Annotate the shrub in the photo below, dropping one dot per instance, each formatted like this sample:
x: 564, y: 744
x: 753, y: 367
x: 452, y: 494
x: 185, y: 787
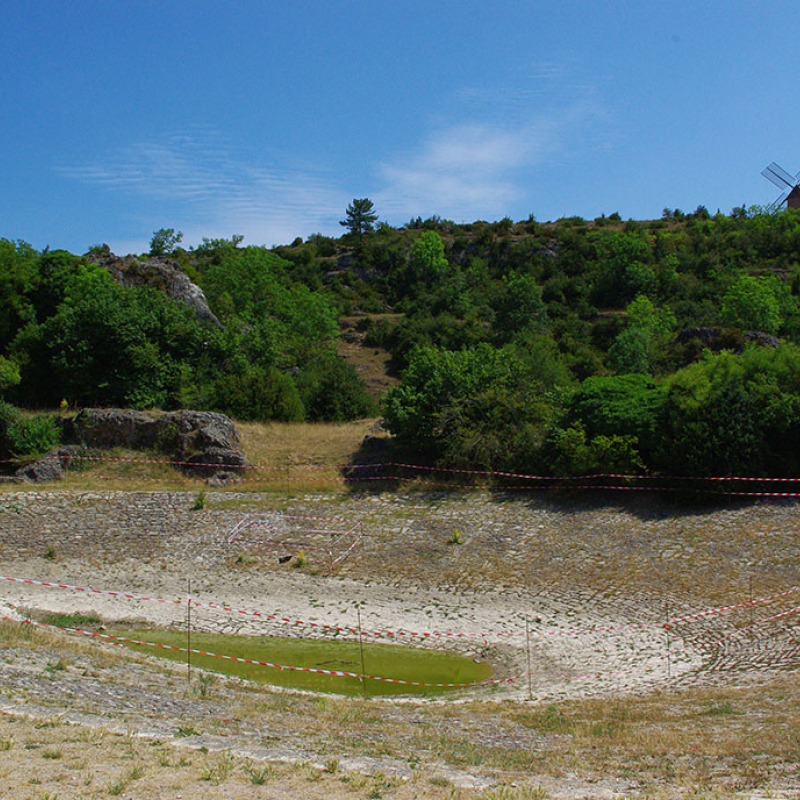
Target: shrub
x: 9, y: 415
x: 33, y: 435
x: 332, y: 390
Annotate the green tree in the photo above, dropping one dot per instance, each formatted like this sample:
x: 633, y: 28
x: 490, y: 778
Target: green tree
x: 623, y: 405
x: 752, y: 304
x: 19, y: 277
x: 361, y: 217
x: 9, y: 374
x: 622, y: 270
x: 436, y: 378
x: 519, y: 305
x: 112, y: 345
x: 332, y: 390
x: 648, y: 329
x: 165, y: 241
x: 426, y: 260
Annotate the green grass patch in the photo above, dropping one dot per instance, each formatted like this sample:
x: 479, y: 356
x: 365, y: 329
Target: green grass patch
x: 384, y: 660
x: 71, y: 620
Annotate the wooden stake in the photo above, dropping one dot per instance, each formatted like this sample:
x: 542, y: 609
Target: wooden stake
x: 669, y: 652
x: 528, y: 646
x: 361, y: 648
x: 189, y: 633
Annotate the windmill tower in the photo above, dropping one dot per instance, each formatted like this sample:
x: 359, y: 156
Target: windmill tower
x: 789, y: 186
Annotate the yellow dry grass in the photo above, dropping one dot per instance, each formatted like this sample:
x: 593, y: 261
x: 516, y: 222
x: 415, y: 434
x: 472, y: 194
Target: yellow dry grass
x: 278, y: 444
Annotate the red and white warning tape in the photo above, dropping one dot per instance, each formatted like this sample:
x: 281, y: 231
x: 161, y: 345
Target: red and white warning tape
x: 110, y: 638
x: 558, y: 479
x: 419, y: 634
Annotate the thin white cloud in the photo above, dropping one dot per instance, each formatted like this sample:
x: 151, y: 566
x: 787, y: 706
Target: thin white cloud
x: 204, y: 187
x: 469, y: 171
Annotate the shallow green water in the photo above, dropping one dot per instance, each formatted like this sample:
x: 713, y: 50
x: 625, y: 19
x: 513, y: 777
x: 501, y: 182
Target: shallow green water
x: 384, y: 660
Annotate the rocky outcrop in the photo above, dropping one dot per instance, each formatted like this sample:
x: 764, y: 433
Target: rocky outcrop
x: 203, y: 441
x: 48, y: 468
x: 160, y: 273
x: 725, y: 338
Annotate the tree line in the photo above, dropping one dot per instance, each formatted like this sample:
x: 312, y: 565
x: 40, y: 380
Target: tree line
x: 667, y: 345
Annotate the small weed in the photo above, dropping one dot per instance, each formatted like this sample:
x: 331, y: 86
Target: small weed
x: 719, y: 709
x: 55, y: 666
x: 6, y: 744
x: 259, y: 775
x: 456, y: 536
x: 203, y: 684
x: 53, y: 755
x: 356, y: 781
x: 515, y: 793
x: 50, y: 553
x: 312, y: 774
x: 381, y: 785
x: 186, y: 730
x: 124, y: 780
x: 200, y: 501
x: 332, y: 766
x: 300, y: 560
x: 440, y: 780
x: 220, y: 772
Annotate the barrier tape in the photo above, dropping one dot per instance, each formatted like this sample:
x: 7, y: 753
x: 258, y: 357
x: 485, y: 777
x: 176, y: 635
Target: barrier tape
x: 404, y: 465
x: 413, y: 634
x: 468, y: 486
x: 751, y: 625
x: 111, y: 639
x: 120, y: 641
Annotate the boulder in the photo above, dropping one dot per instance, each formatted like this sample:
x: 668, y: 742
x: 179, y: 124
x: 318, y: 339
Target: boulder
x: 50, y: 467
x: 204, y: 441
x: 112, y: 427
x: 726, y: 338
x: 161, y: 273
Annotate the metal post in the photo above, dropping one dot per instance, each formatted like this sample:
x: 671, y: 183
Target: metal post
x: 189, y: 633
x: 361, y: 648
x: 669, y: 653
x: 528, y: 646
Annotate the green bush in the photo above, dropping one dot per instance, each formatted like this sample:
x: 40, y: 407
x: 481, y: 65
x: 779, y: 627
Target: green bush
x: 333, y: 391
x: 33, y: 436
x: 9, y: 415
x: 260, y: 395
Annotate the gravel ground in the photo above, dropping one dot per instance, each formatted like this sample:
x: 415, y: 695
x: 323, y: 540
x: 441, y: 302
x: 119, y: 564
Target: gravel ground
x: 593, y: 584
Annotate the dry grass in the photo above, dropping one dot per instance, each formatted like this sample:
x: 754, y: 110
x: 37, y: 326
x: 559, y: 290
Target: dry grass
x: 279, y: 444
x: 371, y: 363
x: 713, y: 743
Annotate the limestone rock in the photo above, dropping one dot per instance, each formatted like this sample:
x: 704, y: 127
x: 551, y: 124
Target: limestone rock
x: 50, y: 467
x: 204, y: 441
x: 112, y: 427
x: 160, y: 273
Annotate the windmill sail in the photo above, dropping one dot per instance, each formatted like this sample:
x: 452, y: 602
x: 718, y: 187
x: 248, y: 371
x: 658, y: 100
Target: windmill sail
x: 774, y: 206
x: 779, y: 176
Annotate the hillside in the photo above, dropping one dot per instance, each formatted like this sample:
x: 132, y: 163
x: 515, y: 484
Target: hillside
x: 666, y: 346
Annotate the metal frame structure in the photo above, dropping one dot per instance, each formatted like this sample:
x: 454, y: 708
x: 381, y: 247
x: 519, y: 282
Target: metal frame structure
x: 324, y: 540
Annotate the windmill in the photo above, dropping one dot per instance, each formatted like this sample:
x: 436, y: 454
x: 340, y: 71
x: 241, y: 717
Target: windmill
x: 789, y: 186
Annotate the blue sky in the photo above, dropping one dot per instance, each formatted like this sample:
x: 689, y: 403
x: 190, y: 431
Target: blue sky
x: 119, y: 117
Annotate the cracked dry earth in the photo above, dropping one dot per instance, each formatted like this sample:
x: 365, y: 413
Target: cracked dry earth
x: 593, y: 584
